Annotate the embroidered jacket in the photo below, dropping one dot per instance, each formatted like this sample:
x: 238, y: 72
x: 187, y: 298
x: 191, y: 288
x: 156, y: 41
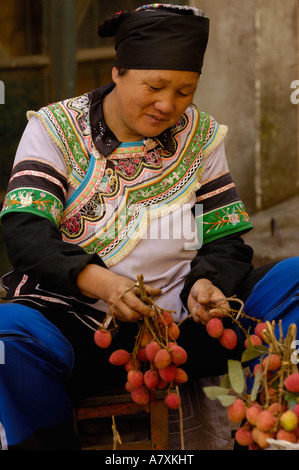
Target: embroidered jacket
x: 105, y: 196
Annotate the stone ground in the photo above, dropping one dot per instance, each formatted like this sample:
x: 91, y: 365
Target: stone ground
x: 276, y: 232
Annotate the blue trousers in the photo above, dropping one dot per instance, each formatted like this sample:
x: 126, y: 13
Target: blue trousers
x: 35, y: 408
x: 37, y: 361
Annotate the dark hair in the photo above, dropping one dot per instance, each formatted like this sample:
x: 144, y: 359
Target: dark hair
x: 122, y: 71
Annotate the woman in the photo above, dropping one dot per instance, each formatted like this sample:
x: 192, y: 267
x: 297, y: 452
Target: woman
x: 129, y: 179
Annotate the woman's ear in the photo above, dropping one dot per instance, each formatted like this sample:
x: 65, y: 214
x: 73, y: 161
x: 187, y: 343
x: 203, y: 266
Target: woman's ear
x: 115, y: 74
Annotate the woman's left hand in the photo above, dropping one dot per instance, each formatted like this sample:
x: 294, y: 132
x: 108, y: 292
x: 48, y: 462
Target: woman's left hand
x: 202, y: 294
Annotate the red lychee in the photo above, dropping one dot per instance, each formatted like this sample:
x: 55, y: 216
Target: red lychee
x: 151, y: 350
x: 215, y: 327
x: 173, y: 401
x: 260, y: 437
x: 296, y: 409
x: 102, y: 338
x: 162, y: 384
x: 265, y: 421
x: 181, y: 376
x: 132, y: 364
x: 228, y: 339
x: 178, y: 354
x: 243, y: 436
x: 291, y: 383
x: 173, y: 331
x: 272, y: 362
x: 140, y: 395
x: 286, y: 436
x: 135, y: 378
x: 162, y: 359
x: 151, y: 379
x: 119, y: 357
x: 141, y: 355
x: 237, y: 411
x: 252, y: 413
x: 258, y: 330
x: 254, y: 340
x: 165, y: 319
x: 145, y: 338
x: 168, y: 373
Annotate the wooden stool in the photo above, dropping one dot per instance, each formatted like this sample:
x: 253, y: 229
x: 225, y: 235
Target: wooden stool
x: 122, y: 405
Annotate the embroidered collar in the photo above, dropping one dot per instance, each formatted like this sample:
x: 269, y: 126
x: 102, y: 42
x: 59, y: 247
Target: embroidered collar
x: 104, y: 139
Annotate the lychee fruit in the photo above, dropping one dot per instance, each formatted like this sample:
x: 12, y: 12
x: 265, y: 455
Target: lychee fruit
x: 173, y: 331
x: 173, y: 401
x: 181, y: 376
x: 140, y: 395
x: 168, y: 373
x: 243, y: 436
x: 253, y: 340
x: 275, y: 408
x: 132, y: 364
x: 141, y: 355
x: 265, y: 421
x: 296, y: 409
x: 291, y: 383
x: 215, y: 327
x: 162, y: 384
x: 165, y: 319
x: 151, y: 379
x: 289, y: 420
x: 102, y: 338
x: 146, y: 337
x: 258, y: 330
x: 260, y: 437
x: 286, y: 436
x: 272, y: 362
x: 151, y: 350
x: 162, y: 359
x: 178, y: 354
x: 119, y: 357
x: 135, y: 378
x: 228, y: 339
x: 252, y: 413
x: 237, y: 411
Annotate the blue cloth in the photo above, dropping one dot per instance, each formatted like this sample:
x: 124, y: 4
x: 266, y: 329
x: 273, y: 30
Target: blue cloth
x: 276, y: 296
x: 37, y: 361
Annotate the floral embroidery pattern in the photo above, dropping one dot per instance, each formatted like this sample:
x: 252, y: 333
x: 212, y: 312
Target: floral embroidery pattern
x: 32, y: 200
x: 223, y: 220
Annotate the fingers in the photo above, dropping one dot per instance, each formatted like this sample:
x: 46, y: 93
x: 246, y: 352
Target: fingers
x: 202, y: 295
x: 130, y: 308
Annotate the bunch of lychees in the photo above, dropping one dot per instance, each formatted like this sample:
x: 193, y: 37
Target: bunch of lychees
x: 270, y: 411
x: 155, y: 362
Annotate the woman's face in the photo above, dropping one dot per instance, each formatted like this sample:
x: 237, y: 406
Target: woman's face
x: 150, y: 101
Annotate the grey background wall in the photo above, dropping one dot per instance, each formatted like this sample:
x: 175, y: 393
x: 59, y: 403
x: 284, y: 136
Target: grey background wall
x: 251, y: 62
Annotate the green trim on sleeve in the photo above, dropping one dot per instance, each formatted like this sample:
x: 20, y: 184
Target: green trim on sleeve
x: 223, y: 221
x: 38, y: 202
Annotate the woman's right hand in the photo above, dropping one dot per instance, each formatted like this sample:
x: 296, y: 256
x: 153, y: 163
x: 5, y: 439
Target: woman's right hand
x: 117, y: 291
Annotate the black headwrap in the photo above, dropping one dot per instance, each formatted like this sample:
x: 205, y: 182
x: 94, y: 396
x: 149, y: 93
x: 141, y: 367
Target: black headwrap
x: 158, y: 36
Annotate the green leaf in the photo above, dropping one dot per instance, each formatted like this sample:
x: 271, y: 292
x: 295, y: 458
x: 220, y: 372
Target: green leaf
x: 236, y: 375
x: 291, y: 399
x: 226, y: 400
x: 225, y: 381
x: 256, y: 385
x: 213, y: 392
x: 254, y: 352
